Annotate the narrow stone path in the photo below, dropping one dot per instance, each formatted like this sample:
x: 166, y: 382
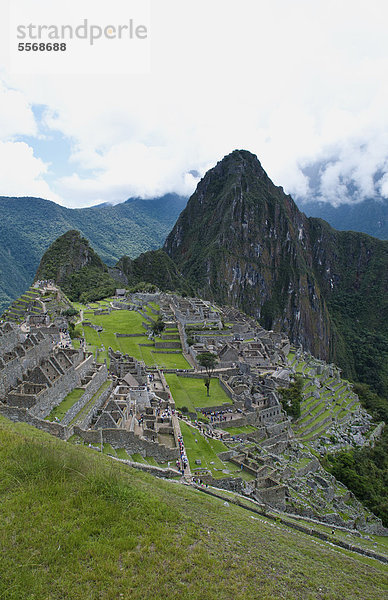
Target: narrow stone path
x: 176, y: 427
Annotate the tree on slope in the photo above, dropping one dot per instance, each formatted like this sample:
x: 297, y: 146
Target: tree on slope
x: 208, y: 360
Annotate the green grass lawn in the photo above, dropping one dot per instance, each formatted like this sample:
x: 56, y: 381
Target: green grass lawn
x: 108, y: 449
x: 122, y: 453
x: 138, y: 458
x: 149, y: 312
x: 204, y: 449
x: 191, y: 392
x: 77, y: 525
x: 92, y: 337
x: 62, y: 408
x: 124, y: 321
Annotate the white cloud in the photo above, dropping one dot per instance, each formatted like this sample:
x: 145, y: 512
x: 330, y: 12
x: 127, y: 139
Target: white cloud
x: 21, y: 173
x: 130, y: 170
x: 295, y: 82
x: 16, y: 116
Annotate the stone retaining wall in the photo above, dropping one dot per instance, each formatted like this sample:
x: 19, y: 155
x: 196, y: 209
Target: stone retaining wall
x: 168, y: 345
x: 257, y: 436
x: 227, y: 455
x: 22, y: 415
x: 241, y: 422
x: 152, y: 469
x: 219, y: 407
x: 92, y: 412
x: 274, y: 496
x: 133, y: 444
x: 227, y: 389
x: 311, y: 467
x: 317, y: 426
x: 228, y: 483
x: 166, y: 351
x: 129, y: 335
x: 277, y: 428
x: 90, y: 389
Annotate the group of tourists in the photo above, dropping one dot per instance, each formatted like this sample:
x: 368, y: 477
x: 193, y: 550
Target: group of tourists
x: 219, y: 416
x: 183, y: 463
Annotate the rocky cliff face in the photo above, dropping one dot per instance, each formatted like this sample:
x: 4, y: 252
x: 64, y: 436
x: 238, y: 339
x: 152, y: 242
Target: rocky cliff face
x: 241, y: 240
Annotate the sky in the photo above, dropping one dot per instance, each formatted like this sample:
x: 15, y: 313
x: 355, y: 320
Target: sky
x: 301, y: 83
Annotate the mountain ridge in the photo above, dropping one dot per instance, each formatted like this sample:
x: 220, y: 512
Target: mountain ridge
x: 368, y: 216
x: 30, y: 225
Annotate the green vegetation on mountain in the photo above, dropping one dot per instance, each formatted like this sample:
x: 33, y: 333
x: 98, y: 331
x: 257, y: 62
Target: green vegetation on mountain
x: 242, y: 241
x: 291, y: 397
x: 76, y: 525
x: 154, y: 267
x: 72, y: 264
x: 30, y: 225
x: 365, y: 470
x: 369, y: 216
x: 352, y: 270
x: 327, y: 289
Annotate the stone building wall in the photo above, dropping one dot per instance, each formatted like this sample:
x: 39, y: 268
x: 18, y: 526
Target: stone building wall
x: 274, y: 496
x: 9, y: 337
x: 13, y: 371
x: 228, y: 483
x: 61, y: 387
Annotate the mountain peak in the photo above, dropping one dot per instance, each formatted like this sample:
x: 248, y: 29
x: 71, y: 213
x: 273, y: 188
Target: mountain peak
x: 73, y: 264
x: 70, y: 252
x: 237, y: 164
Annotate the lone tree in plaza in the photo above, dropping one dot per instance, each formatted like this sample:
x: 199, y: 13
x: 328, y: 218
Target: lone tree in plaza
x: 208, y: 360
x: 157, y: 326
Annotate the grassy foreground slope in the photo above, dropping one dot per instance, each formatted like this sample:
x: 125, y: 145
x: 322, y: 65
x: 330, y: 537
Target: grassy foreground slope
x: 76, y: 525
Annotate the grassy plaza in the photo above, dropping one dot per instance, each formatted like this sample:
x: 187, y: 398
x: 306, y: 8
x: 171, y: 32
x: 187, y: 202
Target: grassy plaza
x: 140, y: 347
x: 191, y: 392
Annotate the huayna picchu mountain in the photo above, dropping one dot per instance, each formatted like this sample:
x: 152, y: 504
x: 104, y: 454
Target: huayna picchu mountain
x: 242, y: 241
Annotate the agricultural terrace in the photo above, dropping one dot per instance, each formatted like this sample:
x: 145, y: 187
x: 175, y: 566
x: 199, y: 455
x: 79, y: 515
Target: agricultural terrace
x: 199, y: 447
x: 59, y: 411
x: 140, y: 347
